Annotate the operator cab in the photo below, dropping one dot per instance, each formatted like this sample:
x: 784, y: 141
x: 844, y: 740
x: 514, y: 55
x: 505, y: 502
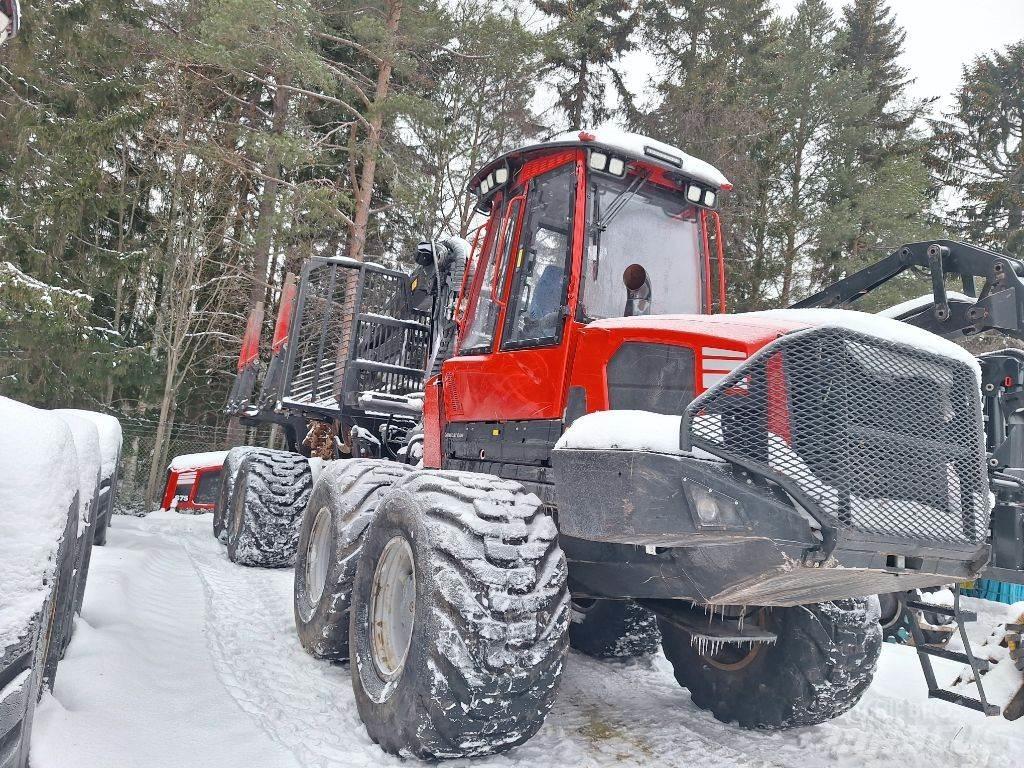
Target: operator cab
x: 618, y: 223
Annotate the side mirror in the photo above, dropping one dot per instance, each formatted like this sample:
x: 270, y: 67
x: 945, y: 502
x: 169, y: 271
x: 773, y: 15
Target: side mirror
x: 10, y: 19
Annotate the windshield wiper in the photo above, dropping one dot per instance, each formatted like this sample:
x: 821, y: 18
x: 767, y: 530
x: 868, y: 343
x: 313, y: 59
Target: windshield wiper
x: 601, y: 222
x: 620, y: 202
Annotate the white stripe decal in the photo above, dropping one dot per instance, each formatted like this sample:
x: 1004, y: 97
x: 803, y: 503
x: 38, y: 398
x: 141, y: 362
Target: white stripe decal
x: 721, y: 366
x: 729, y: 353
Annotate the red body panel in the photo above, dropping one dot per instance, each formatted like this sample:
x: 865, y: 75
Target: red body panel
x: 284, y: 313
x: 524, y: 383
x: 433, y: 423
x: 250, y: 350
x: 176, y: 477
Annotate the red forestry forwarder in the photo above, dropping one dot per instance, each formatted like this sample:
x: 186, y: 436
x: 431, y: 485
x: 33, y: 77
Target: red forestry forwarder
x: 557, y: 437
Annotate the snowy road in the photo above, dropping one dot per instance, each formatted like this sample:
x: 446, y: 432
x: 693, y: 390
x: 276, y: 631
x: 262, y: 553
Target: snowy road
x: 183, y: 659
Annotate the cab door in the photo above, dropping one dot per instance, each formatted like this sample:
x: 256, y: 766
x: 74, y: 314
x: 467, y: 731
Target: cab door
x: 513, y: 361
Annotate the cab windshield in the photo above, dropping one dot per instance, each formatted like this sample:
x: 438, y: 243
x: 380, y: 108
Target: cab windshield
x: 643, y: 252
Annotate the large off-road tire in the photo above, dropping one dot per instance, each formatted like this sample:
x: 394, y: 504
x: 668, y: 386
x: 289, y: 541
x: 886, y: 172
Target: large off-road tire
x: 459, y: 619
x: 819, y: 667
x: 19, y: 673
x: 225, y: 494
x: 340, y: 508
x: 22, y: 665
x: 85, y: 541
x: 613, y: 629
x: 270, y: 495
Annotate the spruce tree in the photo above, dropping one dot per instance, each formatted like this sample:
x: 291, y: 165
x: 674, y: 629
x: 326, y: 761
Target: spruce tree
x: 981, y: 151
x: 581, y: 48
x: 878, y: 179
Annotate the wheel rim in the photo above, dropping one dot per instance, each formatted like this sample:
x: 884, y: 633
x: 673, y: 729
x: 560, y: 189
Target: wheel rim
x: 392, y: 608
x: 731, y: 657
x: 889, y: 609
x: 318, y: 556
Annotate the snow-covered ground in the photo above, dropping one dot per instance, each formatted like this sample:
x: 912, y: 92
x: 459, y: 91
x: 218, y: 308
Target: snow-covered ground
x: 182, y: 659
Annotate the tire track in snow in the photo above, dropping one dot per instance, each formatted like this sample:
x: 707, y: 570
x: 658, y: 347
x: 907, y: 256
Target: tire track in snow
x: 307, y: 704
x: 606, y: 713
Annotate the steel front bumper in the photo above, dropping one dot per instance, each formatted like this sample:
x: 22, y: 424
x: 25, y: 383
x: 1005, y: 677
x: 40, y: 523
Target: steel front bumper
x: 654, y: 525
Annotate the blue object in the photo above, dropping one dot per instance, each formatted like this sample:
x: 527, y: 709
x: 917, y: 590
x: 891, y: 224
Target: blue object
x: 998, y: 591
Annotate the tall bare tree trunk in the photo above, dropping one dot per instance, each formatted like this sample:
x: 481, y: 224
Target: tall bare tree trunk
x: 163, y: 429
x: 372, y: 145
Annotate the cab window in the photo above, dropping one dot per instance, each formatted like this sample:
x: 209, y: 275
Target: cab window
x: 209, y: 485
x: 481, y: 331
x: 643, y: 253
x: 542, y: 259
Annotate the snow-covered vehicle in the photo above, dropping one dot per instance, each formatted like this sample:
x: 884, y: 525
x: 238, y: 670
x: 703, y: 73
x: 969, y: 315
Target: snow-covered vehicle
x: 39, y: 556
x: 87, y: 447
x: 110, y: 436
x: 193, y: 482
x: 596, y: 435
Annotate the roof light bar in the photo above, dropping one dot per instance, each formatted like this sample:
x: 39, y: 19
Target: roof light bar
x: 665, y: 157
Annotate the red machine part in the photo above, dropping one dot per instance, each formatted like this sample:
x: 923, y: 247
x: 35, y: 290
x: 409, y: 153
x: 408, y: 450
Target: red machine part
x: 250, y: 350
x: 718, y: 343
x: 282, y: 325
x: 192, y: 489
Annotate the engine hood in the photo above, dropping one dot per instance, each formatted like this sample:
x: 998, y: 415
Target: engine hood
x: 657, y: 352
x: 744, y: 332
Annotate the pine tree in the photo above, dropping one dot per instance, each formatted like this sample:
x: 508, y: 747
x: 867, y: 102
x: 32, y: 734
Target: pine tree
x: 481, y: 85
x: 716, y: 73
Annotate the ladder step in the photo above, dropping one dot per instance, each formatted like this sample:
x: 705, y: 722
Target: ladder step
x: 942, y: 653
x: 942, y: 610
x: 990, y: 710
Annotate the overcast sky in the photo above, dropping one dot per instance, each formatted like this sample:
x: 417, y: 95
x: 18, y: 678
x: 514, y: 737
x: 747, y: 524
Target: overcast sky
x: 942, y: 36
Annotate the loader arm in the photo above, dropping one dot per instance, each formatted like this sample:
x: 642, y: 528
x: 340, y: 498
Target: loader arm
x: 999, y: 305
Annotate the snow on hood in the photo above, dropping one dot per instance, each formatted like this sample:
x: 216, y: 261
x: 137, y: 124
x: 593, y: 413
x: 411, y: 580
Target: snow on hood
x: 197, y: 460
x: 110, y: 438
x: 38, y: 481
x: 628, y: 431
x: 87, y: 446
x: 878, y: 326
x: 623, y: 430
